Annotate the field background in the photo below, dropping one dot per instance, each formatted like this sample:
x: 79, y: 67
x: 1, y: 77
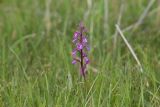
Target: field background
x: 36, y: 44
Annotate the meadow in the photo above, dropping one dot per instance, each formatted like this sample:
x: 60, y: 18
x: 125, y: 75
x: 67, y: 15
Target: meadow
x: 36, y: 67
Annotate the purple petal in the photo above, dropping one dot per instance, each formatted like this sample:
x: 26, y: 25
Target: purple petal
x: 74, y: 40
x: 79, y: 46
x: 74, y: 62
x: 76, y: 34
x: 88, y: 48
x: 86, y: 60
x: 84, y: 40
x: 74, y: 52
x: 84, y: 55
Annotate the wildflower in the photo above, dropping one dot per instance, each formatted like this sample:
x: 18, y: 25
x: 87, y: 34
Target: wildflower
x: 75, y: 37
x: 74, y: 52
x: 74, y: 62
x: 86, y: 60
x: 81, y: 46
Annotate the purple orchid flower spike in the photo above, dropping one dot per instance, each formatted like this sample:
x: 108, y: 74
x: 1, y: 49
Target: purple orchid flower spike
x: 81, y: 46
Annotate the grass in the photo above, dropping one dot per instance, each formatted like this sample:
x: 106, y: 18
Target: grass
x: 35, y: 54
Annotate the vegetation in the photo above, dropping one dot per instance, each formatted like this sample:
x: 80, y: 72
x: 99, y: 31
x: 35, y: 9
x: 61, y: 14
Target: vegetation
x: 35, y: 53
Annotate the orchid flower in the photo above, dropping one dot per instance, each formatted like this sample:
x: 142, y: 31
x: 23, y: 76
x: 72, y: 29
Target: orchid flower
x: 81, y: 46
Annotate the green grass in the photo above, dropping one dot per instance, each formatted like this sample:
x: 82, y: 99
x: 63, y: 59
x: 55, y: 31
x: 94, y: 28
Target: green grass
x: 35, y: 54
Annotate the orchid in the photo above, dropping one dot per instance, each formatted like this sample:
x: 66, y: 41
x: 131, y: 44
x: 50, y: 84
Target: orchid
x: 81, y: 46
